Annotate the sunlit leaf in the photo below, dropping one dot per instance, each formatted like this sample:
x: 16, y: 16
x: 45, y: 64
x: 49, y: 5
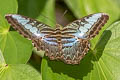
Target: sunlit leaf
x: 8, y: 7
x: 19, y: 72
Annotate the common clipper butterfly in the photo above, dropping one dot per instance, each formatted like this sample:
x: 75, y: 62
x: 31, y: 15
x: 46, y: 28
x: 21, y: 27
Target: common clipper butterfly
x: 69, y: 44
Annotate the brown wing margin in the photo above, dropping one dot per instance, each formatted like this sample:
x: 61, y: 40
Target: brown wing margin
x: 98, y: 25
x: 17, y: 26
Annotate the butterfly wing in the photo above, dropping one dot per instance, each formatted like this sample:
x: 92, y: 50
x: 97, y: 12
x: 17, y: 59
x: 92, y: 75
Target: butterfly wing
x: 30, y: 28
x: 75, y: 48
x: 89, y: 26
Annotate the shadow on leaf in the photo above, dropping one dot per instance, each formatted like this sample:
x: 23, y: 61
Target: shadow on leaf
x: 99, y: 48
x: 31, y: 8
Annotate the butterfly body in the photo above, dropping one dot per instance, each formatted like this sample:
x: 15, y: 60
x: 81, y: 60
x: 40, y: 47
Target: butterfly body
x: 69, y: 44
x: 63, y: 45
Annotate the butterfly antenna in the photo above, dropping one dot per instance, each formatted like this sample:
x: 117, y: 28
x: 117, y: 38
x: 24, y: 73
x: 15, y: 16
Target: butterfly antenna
x: 64, y: 13
x: 60, y: 18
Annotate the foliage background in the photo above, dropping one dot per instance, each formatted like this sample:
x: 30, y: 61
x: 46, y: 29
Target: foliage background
x: 20, y: 61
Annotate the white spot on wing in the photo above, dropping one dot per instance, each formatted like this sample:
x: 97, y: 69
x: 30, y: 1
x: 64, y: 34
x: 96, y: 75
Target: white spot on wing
x: 80, y: 34
x: 97, y: 15
x: 38, y: 34
x: 91, y: 23
x: 28, y: 26
x: 83, y: 29
x: 23, y: 22
x: 20, y: 19
x: 88, y: 26
x: 82, y: 23
x: 32, y: 23
x: 33, y: 30
x: 16, y: 16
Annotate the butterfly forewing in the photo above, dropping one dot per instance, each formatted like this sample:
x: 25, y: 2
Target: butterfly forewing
x: 27, y: 26
x: 69, y: 44
x: 89, y: 26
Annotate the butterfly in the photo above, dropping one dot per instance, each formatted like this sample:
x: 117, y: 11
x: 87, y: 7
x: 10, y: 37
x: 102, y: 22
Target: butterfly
x: 68, y: 44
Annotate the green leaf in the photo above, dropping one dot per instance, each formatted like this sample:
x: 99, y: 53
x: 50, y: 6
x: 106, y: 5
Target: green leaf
x: 15, y: 48
x: 19, y: 72
x: 43, y: 10
x: 102, y: 63
x: 8, y: 7
x: 117, y: 2
x: 48, y: 12
x: 77, y: 7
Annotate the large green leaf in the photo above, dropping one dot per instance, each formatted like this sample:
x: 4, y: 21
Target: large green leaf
x: 8, y: 7
x: 101, y: 63
x: 43, y: 10
x: 19, y: 72
x: 15, y: 48
x: 117, y: 2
